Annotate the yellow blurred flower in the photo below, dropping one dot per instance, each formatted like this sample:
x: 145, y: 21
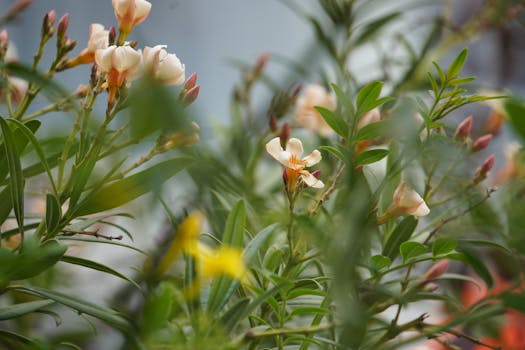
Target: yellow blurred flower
x: 186, y: 240
x: 223, y: 261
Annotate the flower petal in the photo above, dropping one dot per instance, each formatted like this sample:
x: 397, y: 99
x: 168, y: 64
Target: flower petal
x: 274, y: 148
x: 295, y: 147
x: 311, y: 180
x: 312, y: 158
x: 421, y: 210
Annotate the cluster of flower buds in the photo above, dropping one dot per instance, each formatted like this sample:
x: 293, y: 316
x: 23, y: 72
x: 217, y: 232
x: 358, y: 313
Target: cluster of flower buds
x: 463, y: 133
x: 281, y: 104
x: 190, y: 91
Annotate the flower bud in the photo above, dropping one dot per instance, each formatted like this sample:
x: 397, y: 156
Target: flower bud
x: 483, y: 170
x: 112, y: 35
x: 190, y: 82
x: 273, y: 124
x: 285, y: 134
x: 190, y: 96
x: 464, y: 129
x: 130, y: 13
x: 47, y: 24
x: 316, y: 173
x: 481, y: 143
x: 4, y: 43
x: 63, y: 24
x: 436, y: 270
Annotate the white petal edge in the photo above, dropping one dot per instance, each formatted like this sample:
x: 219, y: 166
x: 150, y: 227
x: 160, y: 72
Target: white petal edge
x: 311, y: 180
x: 313, y: 158
x: 274, y: 148
x: 295, y: 147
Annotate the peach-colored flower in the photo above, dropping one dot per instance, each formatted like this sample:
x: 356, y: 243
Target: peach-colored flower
x: 294, y: 165
x: 305, y: 113
x: 130, y: 13
x: 163, y: 66
x: 408, y: 201
x: 120, y: 63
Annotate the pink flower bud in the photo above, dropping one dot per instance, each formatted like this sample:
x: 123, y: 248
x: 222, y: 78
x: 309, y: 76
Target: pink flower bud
x: 112, y: 35
x: 4, y: 42
x: 436, y: 270
x: 285, y: 134
x: 464, y: 129
x: 316, y: 173
x: 190, y: 96
x: 484, y: 168
x: 481, y: 143
x: 63, y: 24
x: 191, y: 81
x: 49, y: 21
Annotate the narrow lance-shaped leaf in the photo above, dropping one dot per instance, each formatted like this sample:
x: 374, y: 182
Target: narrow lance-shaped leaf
x: 131, y: 187
x: 221, y: 288
x: 15, y: 174
x: 401, y: 233
x: 17, y: 310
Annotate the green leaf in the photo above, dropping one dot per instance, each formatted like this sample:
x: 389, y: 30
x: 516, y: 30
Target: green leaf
x: 367, y: 97
x: 109, y: 316
x: 460, y: 81
x: 28, y: 133
x: 157, y: 309
x: 411, y: 249
x: 374, y: 130
x: 96, y: 266
x: 337, y: 153
x: 6, y: 204
x: 336, y: 122
x: 456, y: 65
x: 123, y: 191
x: 4, y: 334
x: 31, y: 261
x: 516, y: 112
x: 482, y: 243
x: 434, y: 84
x: 223, y: 287
x: 443, y: 246
x: 251, y: 252
x: 344, y: 100
x: 53, y: 214
x: 442, y: 76
x: 16, y: 182
x: 234, y: 313
x: 247, y: 309
x: 514, y: 301
x: 470, y: 257
x: 371, y: 156
x: 373, y: 27
x: 401, y: 233
x: 17, y: 310
x: 102, y: 241
x: 379, y: 262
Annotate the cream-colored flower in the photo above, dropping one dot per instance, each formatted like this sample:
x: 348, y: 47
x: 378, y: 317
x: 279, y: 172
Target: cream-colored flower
x: 129, y: 13
x: 163, y: 66
x: 305, y: 113
x: 408, y: 201
x: 120, y: 63
x: 290, y: 157
x: 98, y: 38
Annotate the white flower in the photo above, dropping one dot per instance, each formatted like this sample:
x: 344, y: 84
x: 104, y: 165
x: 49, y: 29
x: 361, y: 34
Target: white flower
x: 305, y: 113
x: 98, y: 38
x: 408, y: 201
x: 129, y: 13
x: 120, y: 63
x: 294, y: 165
x: 164, y: 67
